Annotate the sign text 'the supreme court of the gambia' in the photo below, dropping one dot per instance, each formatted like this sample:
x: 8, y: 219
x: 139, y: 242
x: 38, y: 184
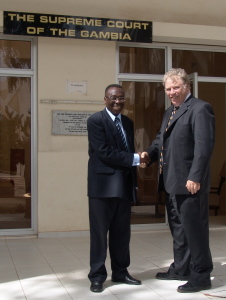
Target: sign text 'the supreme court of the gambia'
x: 20, y: 23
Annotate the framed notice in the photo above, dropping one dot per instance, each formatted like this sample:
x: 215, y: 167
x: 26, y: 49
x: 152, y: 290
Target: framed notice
x: 70, y: 122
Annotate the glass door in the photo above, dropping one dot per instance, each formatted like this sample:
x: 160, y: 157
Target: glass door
x: 194, y: 83
x: 140, y: 74
x: 210, y: 91
x: 140, y: 71
x: 215, y: 94
x: 209, y: 81
x: 145, y: 105
x: 16, y: 81
x: 15, y: 152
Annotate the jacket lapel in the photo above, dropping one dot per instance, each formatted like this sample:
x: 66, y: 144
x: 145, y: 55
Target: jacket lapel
x: 128, y: 134
x: 184, y: 107
x: 110, y: 123
x: 113, y: 129
x: 166, y: 118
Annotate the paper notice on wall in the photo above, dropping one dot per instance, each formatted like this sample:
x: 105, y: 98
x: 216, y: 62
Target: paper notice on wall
x: 76, y: 87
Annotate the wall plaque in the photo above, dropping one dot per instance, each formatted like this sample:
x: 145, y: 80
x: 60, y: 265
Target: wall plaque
x: 69, y: 122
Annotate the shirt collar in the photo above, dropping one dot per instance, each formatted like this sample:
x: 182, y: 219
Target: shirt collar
x: 186, y: 98
x: 113, y: 116
x: 188, y: 95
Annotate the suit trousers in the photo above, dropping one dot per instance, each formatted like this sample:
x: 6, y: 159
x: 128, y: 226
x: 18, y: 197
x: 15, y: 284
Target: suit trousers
x: 188, y: 221
x: 109, y: 221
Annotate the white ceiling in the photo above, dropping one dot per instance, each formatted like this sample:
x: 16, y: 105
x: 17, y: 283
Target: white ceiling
x: 200, y: 12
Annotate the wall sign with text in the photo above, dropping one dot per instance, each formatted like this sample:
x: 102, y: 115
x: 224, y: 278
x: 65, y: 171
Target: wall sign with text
x: 19, y: 23
x: 70, y: 122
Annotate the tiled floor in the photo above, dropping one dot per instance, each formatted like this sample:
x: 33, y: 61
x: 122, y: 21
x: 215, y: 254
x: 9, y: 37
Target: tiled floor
x: 56, y: 268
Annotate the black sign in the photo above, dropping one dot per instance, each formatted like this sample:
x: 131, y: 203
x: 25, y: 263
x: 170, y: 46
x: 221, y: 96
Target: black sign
x: 19, y: 23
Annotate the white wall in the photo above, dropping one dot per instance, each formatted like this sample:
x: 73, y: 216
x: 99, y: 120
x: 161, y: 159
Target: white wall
x: 62, y: 160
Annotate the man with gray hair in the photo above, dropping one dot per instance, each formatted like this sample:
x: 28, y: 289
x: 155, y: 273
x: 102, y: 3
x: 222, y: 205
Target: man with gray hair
x: 183, y: 149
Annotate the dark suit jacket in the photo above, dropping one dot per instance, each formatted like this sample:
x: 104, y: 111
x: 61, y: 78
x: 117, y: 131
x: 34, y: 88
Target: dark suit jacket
x: 187, y: 146
x: 110, y: 171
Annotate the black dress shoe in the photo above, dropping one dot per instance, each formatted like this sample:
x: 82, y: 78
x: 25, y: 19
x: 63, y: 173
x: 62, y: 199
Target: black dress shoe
x: 128, y: 279
x: 189, y: 288
x: 96, y: 287
x: 167, y: 276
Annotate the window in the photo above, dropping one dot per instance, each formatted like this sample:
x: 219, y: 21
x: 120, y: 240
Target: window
x: 141, y: 60
x: 15, y: 54
x: 205, y: 63
x: 16, y: 82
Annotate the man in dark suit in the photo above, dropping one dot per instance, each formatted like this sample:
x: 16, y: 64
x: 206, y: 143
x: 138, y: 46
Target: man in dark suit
x: 111, y: 189
x: 183, y: 148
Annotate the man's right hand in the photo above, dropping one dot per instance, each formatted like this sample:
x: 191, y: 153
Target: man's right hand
x: 144, y: 159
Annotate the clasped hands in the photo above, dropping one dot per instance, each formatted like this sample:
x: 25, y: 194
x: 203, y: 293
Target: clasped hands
x: 144, y: 159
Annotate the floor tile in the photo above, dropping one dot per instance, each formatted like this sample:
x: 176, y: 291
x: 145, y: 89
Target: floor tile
x: 12, y: 290
x: 57, y: 268
x: 44, y: 287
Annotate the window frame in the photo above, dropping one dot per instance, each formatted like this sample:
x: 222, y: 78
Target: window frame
x: 158, y: 78
x: 32, y: 74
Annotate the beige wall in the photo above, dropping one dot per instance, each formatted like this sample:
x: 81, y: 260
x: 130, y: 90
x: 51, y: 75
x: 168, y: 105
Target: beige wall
x: 189, y: 34
x: 201, y: 12
x: 62, y: 160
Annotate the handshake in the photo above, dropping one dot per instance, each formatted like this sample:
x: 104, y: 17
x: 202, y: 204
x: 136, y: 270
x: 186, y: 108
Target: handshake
x: 144, y: 159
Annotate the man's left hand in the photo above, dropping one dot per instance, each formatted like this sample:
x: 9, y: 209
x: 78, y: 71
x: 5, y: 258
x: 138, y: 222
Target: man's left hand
x: 192, y: 186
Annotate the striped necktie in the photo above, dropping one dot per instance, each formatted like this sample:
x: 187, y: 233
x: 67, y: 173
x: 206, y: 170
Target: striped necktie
x: 175, y: 108
x: 117, y: 123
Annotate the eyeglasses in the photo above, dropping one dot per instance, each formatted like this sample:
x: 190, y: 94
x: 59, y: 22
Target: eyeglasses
x: 114, y: 98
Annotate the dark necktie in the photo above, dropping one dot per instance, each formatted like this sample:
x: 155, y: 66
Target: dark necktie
x: 175, y: 108
x: 117, y: 123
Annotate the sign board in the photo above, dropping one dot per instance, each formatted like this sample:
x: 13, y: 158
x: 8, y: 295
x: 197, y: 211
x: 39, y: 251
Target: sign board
x: 69, y: 122
x: 21, y: 23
